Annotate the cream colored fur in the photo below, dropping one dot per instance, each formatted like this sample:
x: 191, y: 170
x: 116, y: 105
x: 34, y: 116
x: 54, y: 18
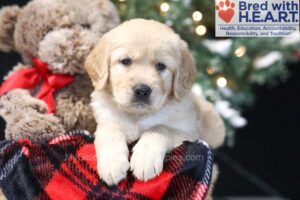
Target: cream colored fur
x: 173, y: 115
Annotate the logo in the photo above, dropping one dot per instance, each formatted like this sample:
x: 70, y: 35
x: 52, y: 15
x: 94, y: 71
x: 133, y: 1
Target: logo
x: 257, y: 18
x: 225, y: 10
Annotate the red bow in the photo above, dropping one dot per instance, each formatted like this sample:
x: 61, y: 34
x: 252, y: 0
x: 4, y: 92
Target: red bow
x: 30, y: 77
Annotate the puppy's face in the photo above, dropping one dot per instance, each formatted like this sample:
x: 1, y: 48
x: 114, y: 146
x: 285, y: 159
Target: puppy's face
x: 141, y: 63
x: 141, y: 73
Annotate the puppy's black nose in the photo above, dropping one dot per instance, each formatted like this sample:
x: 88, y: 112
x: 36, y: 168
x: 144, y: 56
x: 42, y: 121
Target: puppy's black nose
x: 142, y: 91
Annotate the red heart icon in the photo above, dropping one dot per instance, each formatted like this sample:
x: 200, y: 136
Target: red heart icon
x: 226, y: 15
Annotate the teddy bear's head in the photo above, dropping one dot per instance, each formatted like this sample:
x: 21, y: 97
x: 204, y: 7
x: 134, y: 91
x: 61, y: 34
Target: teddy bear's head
x: 59, y: 32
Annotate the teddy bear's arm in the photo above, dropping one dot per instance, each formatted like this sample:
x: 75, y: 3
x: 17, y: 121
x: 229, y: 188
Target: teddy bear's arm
x: 27, y: 117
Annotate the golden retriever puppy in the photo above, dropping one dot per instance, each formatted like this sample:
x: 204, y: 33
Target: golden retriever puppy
x: 143, y: 73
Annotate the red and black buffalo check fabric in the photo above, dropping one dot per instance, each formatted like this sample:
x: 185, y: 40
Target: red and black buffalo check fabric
x: 65, y: 168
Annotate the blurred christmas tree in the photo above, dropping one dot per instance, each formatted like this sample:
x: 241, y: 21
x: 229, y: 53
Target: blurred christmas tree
x: 227, y: 68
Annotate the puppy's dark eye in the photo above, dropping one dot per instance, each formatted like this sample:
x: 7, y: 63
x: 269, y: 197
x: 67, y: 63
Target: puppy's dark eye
x: 126, y: 61
x: 160, y: 67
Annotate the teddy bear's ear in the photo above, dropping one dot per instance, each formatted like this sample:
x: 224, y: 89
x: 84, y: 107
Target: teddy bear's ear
x: 8, y: 19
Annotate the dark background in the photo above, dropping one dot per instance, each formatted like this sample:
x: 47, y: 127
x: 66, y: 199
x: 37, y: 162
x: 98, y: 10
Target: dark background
x: 265, y: 158
x: 268, y: 146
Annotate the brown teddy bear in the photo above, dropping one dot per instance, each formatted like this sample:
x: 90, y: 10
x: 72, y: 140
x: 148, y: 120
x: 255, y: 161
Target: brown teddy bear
x: 60, y: 33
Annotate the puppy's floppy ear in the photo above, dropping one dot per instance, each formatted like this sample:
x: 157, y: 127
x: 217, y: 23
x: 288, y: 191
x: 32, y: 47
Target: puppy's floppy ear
x: 185, y: 74
x: 8, y: 20
x: 97, y: 64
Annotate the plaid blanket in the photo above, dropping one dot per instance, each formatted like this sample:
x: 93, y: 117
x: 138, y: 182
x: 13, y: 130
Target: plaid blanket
x: 65, y: 168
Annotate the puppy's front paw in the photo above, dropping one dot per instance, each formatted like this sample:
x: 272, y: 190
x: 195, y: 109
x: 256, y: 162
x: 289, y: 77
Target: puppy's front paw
x: 112, y: 166
x: 146, y: 162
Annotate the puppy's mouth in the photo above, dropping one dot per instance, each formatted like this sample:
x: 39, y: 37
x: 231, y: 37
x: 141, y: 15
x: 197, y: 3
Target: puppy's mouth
x: 140, y: 105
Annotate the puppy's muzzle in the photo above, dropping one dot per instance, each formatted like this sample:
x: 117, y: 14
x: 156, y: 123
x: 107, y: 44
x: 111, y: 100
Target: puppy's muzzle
x: 142, y: 92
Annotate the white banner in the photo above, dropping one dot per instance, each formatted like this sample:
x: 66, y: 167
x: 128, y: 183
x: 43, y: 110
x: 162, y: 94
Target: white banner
x: 257, y: 18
